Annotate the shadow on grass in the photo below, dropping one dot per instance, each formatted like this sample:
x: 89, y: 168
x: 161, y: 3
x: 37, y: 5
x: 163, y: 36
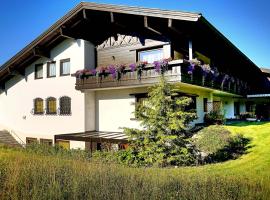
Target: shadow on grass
x: 237, y: 147
x: 246, y: 123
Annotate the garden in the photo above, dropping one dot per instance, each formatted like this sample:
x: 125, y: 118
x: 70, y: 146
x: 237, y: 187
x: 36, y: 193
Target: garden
x: 165, y: 160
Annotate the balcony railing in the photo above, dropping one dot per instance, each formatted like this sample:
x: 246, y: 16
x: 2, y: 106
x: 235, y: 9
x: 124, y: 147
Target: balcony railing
x: 175, y: 72
x: 148, y: 76
x: 221, y: 82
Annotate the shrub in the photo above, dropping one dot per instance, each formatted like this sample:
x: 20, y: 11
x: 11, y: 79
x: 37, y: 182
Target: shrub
x: 216, y: 143
x: 214, y: 117
x: 212, y: 139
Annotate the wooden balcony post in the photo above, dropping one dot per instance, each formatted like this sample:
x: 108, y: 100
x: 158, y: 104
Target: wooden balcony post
x: 190, y: 51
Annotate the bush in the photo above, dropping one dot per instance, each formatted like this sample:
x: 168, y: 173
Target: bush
x: 214, y: 117
x: 216, y: 143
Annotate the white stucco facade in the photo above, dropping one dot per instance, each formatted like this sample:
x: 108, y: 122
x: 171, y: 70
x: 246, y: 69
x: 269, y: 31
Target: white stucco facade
x: 96, y: 110
x: 16, y: 102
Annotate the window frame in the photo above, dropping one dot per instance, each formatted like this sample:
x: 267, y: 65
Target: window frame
x: 61, y: 112
x: 61, y: 66
x: 147, y: 50
x: 33, y: 140
x: 47, y: 106
x: 139, y: 97
x: 36, y: 71
x: 48, y: 142
x: 61, y: 143
x: 35, y: 110
x: 48, y: 69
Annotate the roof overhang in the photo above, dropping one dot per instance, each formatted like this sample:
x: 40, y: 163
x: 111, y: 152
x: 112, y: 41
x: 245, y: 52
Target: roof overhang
x: 258, y: 95
x: 86, y: 15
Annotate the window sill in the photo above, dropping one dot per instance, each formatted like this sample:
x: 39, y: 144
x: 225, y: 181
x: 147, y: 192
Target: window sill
x: 51, y: 76
x: 64, y: 74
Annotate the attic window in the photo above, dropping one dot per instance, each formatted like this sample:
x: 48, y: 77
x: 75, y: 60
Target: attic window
x: 65, y: 67
x: 151, y: 55
x: 51, y: 69
x: 39, y: 71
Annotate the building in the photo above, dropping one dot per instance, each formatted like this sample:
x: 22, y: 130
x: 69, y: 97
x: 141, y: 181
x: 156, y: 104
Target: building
x: 40, y: 100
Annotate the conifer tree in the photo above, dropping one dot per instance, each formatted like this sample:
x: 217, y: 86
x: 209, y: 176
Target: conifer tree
x: 164, y: 118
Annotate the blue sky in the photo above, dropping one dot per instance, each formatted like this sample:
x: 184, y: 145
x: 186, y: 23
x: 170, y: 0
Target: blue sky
x: 244, y: 22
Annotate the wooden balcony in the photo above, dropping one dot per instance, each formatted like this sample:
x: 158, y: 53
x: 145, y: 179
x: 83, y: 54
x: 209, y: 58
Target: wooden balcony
x: 177, y: 72
x: 148, y: 76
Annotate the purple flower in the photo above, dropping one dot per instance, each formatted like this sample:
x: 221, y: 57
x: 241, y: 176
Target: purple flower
x: 191, y: 67
x: 132, y: 67
x: 93, y: 72
x: 112, y: 71
x: 157, y: 65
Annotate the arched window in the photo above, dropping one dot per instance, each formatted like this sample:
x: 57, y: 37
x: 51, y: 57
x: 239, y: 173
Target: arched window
x: 51, y: 106
x: 38, y: 106
x: 65, y: 105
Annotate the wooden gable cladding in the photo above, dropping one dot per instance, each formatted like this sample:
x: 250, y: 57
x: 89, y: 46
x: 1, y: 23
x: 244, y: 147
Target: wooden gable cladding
x: 119, y: 41
x: 123, y: 49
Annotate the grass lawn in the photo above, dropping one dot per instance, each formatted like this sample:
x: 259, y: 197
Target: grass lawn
x: 28, y: 176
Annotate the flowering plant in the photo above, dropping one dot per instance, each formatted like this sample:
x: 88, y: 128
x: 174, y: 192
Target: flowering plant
x: 161, y: 66
x: 140, y: 66
x: 206, y: 69
x: 85, y: 72
x: 132, y: 67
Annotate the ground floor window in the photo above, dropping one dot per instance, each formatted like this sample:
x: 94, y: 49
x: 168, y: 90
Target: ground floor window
x: 65, y: 144
x: 48, y: 142
x: 38, y: 106
x: 30, y: 140
x: 65, y: 105
x: 51, y: 106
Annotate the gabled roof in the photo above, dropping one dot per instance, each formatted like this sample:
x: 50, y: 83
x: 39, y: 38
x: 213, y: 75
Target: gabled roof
x: 33, y: 50
x: 188, y: 16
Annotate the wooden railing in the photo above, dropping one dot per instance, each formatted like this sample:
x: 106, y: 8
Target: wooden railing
x: 147, y: 77
x: 236, y: 87
x: 176, y: 73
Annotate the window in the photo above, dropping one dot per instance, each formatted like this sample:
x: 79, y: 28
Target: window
x: 65, y: 105
x: 51, y: 106
x: 205, y: 106
x: 151, y: 55
x: 51, y: 69
x: 65, y: 67
x: 63, y: 143
x: 192, y: 105
x: 38, y: 106
x: 38, y: 71
x: 141, y: 99
x: 48, y: 142
x: 30, y: 140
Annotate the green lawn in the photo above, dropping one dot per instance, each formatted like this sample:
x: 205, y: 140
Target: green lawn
x: 29, y: 176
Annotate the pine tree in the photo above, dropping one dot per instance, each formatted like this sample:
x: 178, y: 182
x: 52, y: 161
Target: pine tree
x: 165, y: 118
